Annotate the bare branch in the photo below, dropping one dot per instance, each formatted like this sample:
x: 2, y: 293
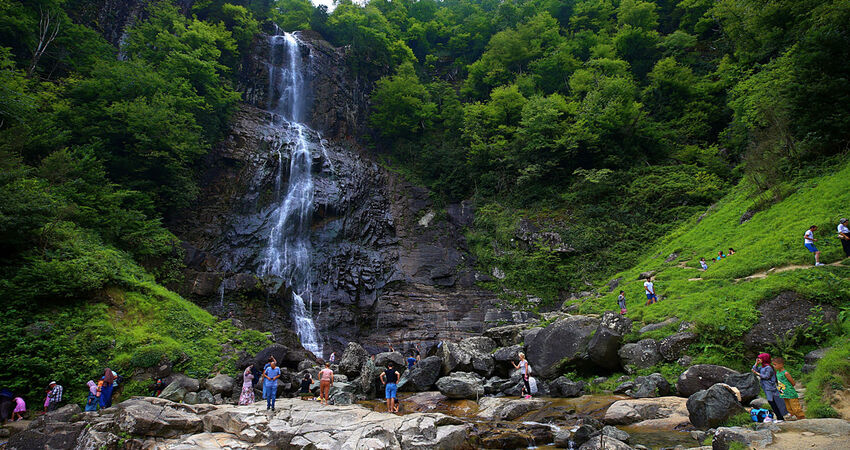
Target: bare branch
x: 48, y: 29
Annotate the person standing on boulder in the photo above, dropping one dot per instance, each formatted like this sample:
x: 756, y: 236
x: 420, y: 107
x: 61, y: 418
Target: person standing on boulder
x: 246, y: 397
x: 270, y: 376
x: 787, y: 392
x: 844, y: 235
x: 621, y: 302
x: 390, y: 378
x: 332, y: 358
x: 326, y: 380
x: 524, y: 370
x: 767, y: 377
x: 809, y: 242
x: 106, y: 389
x: 54, y: 397
x: 649, y: 288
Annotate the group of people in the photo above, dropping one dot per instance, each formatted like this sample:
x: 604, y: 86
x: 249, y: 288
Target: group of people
x: 779, y: 387
x: 720, y: 256
x: 100, y: 393
x: 843, y: 236
x: 649, y: 290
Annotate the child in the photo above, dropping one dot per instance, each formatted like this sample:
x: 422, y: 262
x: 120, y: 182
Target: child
x: 621, y: 300
x: 731, y: 251
x: 786, y: 390
x: 720, y: 255
x: 20, y: 409
x: 703, y: 264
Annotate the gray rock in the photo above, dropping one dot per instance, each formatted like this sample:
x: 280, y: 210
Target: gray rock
x: 342, y: 394
x: 641, y: 355
x: 711, y: 407
x: 174, y: 392
x: 463, y: 385
x: 424, y: 375
x: 473, y: 354
x: 505, y: 336
x: 699, y: 435
x: 760, y: 403
x: 191, y: 398
x: 816, y: 355
x: 673, y: 346
x: 206, y: 397
x: 190, y: 384
x: 645, y: 275
x: 142, y: 418
x: 653, y: 385
x: 615, y: 433
x: 824, y: 427
x: 560, y: 343
x: 495, y: 408
x: 50, y: 435
x: 603, y: 347
x: 563, y: 438
x: 504, y: 358
x: 724, y: 436
x: 616, y: 323
x: 781, y: 315
x: 564, y: 387
x: 700, y: 377
x: 603, y: 442
x: 220, y: 384
x: 599, y: 380
x: 399, y: 363
x: 624, y: 387
x: 685, y: 361
x: 746, y: 383
x: 657, y: 326
x: 352, y: 360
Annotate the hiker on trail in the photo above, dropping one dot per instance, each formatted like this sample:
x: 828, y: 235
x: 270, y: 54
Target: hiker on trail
x: 844, y: 235
x: 326, y: 380
x: 20, y: 409
x: 809, y: 242
x: 649, y: 288
x: 731, y: 251
x: 720, y: 255
x: 390, y: 377
x: 106, y: 390
x: 270, y: 376
x: 703, y: 264
x: 785, y: 385
x: 306, y: 382
x: 246, y: 397
x: 332, y: 358
x: 621, y: 301
x: 525, y: 371
x: 92, y: 400
x: 411, y: 361
x: 767, y: 376
x: 55, y: 396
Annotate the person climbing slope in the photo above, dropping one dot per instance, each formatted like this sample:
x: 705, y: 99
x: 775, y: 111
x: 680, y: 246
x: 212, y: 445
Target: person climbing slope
x: 767, y: 376
x: 787, y: 392
x: 649, y: 288
x: 844, y: 236
x: 621, y: 302
x: 703, y: 264
x: 809, y: 242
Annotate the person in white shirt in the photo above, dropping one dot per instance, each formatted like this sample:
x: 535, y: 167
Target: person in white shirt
x: 844, y: 235
x: 649, y: 287
x: 809, y: 242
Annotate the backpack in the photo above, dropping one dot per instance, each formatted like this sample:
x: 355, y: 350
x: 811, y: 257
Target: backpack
x: 758, y: 415
x: 532, y: 383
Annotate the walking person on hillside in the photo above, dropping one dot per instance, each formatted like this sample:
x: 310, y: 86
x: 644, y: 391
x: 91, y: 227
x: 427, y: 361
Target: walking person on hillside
x: 389, y: 378
x: 649, y: 288
x: 621, y: 302
x: 55, y: 396
x: 809, y: 242
x: 326, y: 380
x: 246, y: 397
x: 270, y: 376
x: 787, y: 392
x: 844, y: 235
x: 525, y: 371
x: 767, y: 376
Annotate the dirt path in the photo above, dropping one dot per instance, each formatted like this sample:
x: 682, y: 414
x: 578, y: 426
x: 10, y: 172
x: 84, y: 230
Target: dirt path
x: 764, y: 274
x: 792, y: 440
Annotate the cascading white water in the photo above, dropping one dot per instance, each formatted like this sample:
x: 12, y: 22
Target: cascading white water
x: 288, y: 252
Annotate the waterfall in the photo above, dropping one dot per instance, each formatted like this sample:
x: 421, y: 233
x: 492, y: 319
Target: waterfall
x: 288, y: 252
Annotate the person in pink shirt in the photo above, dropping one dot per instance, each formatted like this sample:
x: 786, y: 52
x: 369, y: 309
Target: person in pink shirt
x: 20, y: 409
x: 326, y: 380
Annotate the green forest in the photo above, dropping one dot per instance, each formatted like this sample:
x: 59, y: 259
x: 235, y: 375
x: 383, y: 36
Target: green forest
x: 614, y: 123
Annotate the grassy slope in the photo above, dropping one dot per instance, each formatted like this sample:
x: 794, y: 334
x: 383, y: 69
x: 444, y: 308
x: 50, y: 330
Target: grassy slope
x: 723, y: 306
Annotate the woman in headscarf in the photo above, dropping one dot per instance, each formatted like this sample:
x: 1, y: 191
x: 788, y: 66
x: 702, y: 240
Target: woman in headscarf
x: 767, y: 376
x: 106, y: 390
x: 92, y: 400
x: 247, y: 395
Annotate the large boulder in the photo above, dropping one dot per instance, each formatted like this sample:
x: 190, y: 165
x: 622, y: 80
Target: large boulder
x: 424, y: 375
x: 352, y: 360
x: 286, y: 356
x: 560, y: 343
x: 474, y: 354
x: 616, y: 323
x: 781, y: 315
x: 175, y: 393
x: 603, y: 442
x: 190, y: 384
x: 138, y: 417
x: 653, y: 385
x: 500, y: 408
x: 603, y: 347
x: 640, y: 355
x: 673, y: 346
x: 746, y: 383
x: 504, y: 358
x: 220, y: 384
x: 506, y: 336
x: 711, y: 407
x: 51, y: 435
x: 725, y: 436
x: 564, y: 387
x: 398, y: 360
x: 615, y: 433
x: 342, y: 394
x: 812, y: 358
x: 462, y: 385
x: 700, y: 377
x: 663, y: 413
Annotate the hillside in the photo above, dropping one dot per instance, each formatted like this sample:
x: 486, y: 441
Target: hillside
x: 722, y: 302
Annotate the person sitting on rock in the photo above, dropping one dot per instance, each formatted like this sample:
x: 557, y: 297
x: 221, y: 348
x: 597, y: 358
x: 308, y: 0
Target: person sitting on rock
x: 767, y: 376
x: 703, y: 264
x: 306, y: 382
x: 390, y: 378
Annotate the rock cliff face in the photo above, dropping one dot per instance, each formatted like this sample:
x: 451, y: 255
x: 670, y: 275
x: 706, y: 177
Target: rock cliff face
x: 388, y: 265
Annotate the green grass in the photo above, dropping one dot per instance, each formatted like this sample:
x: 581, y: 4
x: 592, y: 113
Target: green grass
x: 832, y: 373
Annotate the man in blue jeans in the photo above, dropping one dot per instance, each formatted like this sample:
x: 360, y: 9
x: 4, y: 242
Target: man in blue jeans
x: 390, y: 378
x: 270, y: 376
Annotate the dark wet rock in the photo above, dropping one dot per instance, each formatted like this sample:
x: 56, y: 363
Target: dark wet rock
x: 424, y: 375
x: 711, y: 407
x: 286, y: 356
x: 342, y: 394
x: 462, y: 385
x: 583, y: 433
x: 645, y: 275
x: 624, y: 387
x: 398, y: 360
x: 507, y: 335
x: 673, y: 346
x: 564, y: 387
x: 605, y: 343
x: 812, y: 358
x: 560, y: 343
x: 616, y: 433
x: 653, y: 385
x: 352, y: 360
x: 505, y: 357
x: 472, y: 355
x: 641, y: 354
x: 700, y: 377
x: 603, y: 442
x: 461, y: 214
x: 725, y: 436
x: 746, y: 383
x: 781, y: 316
x: 657, y: 326
x: 748, y: 214
x: 685, y: 361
